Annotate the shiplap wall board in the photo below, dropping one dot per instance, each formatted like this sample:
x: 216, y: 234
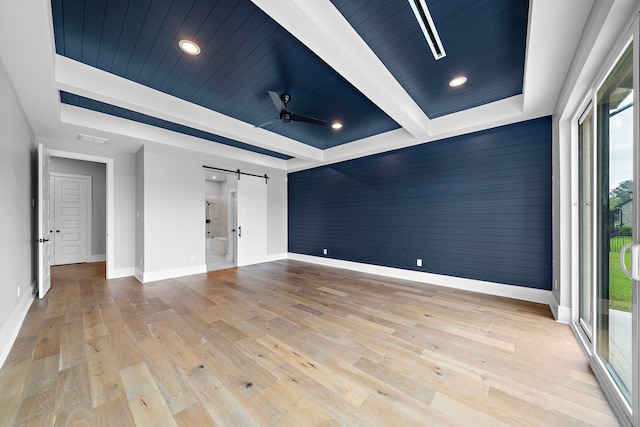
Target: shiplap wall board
x: 476, y: 206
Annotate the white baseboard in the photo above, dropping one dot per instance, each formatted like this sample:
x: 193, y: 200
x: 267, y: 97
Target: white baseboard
x: 11, y: 328
x: 138, y: 274
x: 490, y: 288
x: 561, y: 313
x: 276, y: 257
x: 170, y: 274
x: 97, y: 258
x: 117, y: 273
x: 266, y: 258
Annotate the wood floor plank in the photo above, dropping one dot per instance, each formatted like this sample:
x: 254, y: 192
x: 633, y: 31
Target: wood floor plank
x: 93, y: 323
x: 296, y: 408
x: 175, y: 392
x: 104, y: 376
x: 73, y: 398
x: 145, y: 399
x: 42, y: 376
x: 194, y: 415
x: 49, y: 338
x: 13, y: 377
x: 9, y: 405
x: 351, y: 392
x: 72, y: 352
x: 37, y: 410
x: 219, y: 402
x: 243, y: 384
x: 115, y: 412
x: 288, y: 343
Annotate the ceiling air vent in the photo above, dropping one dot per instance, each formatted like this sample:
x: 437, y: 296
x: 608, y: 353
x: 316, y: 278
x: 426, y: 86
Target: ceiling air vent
x: 93, y: 139
x: 428, y: 29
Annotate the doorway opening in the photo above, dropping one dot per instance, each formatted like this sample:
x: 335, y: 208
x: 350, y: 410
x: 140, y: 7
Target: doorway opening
x: 220, y: 220
x: 102, y: 241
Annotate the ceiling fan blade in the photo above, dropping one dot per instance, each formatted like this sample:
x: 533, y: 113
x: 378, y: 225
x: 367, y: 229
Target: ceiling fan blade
x: 277, y: 102
x: 307, y: 119
x: 267, y: 123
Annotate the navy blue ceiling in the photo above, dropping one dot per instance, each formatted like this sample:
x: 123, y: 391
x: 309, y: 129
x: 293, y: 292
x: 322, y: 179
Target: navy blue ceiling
x: 245, y: 53
x: 485, y: 40
x: 112, y: 110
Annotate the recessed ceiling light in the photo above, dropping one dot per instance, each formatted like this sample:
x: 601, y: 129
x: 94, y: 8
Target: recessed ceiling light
x: 189, y: 47
x: 337, y: 125
x: 458, y: 81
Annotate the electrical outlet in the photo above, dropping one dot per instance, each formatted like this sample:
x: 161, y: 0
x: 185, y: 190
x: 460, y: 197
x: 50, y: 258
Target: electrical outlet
x: 325, y: 251
x: 18, y: 291
x: 193, y: 257
x: 419, y: 262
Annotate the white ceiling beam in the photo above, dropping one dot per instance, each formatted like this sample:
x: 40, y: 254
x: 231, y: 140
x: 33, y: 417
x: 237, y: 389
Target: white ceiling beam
x: 83, y: 80
x: 321, y: 27
x: 554, y: 31
x: 111, y: 124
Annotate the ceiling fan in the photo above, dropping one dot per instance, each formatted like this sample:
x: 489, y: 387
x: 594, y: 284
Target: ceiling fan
x: 285, y: 116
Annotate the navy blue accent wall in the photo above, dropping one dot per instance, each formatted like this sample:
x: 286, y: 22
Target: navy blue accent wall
x: 476, y: 206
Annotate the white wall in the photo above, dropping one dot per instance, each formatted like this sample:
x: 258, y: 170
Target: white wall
x: 213, y: 188
x: 17, y: 246
x: 97, y: 171
x: 125, y: 220
x: 277, y: 226
x: 139, y: 215
x: 174, y: 216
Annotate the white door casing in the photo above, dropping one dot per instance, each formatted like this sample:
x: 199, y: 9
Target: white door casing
x: 252, y: 220
x: 44, y: 223
x: 233, y: 226
x: 70, y: 219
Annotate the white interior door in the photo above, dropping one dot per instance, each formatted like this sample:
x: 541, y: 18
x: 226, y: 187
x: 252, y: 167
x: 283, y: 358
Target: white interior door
x: 70, y: 217
x: 44, y: 223
x: 252, y: 220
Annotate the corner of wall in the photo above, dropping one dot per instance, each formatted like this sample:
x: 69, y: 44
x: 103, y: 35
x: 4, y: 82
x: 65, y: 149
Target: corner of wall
x: 145, y: 277
x: 561, y: 313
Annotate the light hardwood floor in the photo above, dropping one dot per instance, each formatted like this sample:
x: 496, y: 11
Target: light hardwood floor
x: 292, y: 344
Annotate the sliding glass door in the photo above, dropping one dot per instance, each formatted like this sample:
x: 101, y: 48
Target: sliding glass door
x: 615, y: 177
x: 607, y: 216
x: 586, y: 294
